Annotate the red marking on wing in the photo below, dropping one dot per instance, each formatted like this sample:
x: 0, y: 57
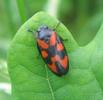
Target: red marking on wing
x: 44, y: 54
x: 53, y: 39
x: 60, y: 47
x: 42, y: 44
x: 64, y: 62
x: 55, y: 58
x: 52, y: 67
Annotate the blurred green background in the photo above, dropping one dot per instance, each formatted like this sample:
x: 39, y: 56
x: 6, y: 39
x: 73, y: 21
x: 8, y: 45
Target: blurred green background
x: 82, y: 17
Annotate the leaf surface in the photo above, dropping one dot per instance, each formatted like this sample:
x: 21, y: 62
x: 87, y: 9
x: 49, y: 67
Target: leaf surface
x: 32, y: 80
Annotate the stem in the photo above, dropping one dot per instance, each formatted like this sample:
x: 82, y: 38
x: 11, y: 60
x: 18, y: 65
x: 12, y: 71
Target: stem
x: 22, y: 10
x: 52, y: 7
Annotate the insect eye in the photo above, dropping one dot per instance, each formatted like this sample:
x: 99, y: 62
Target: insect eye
x: 46, y: 27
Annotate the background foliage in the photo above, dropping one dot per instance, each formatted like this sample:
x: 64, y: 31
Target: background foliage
x: 82, y: 17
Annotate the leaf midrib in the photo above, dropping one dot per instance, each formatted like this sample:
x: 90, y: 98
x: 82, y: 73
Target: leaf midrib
x: 50, y: 87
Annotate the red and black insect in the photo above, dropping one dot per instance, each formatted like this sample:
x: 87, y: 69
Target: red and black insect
x: 52, y: 50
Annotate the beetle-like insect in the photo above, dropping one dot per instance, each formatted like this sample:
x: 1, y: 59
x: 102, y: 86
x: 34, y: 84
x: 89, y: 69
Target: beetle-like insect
x: 52, y: 50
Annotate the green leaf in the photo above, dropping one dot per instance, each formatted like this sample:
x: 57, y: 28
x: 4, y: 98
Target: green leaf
x: 32, y: 80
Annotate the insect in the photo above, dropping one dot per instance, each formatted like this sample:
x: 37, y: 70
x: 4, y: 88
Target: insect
x: 52, y: 50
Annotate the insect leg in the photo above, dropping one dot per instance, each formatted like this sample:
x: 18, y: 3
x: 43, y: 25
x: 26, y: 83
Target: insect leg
x: 63, y: 39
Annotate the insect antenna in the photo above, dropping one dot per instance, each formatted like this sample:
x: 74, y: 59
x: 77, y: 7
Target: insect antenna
x: 57, y: 26
x: 31, y: 31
